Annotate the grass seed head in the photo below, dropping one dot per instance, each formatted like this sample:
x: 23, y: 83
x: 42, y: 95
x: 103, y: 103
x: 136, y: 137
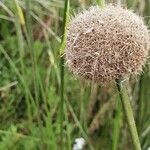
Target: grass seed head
x: 106, y: 44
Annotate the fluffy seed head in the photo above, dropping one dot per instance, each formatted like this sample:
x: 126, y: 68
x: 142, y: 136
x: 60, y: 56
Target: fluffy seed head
x: 106, y: 44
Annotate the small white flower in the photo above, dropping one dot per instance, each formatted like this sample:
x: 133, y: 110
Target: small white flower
x: 79, y: 144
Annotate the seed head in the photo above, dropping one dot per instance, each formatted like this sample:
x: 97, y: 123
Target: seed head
x: 106, y: 44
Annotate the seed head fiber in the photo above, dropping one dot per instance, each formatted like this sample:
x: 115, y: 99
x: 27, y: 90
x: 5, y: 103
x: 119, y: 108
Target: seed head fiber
x: 106, y: 44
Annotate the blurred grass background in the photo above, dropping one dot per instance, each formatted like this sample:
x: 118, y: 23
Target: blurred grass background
x: 34, y: 81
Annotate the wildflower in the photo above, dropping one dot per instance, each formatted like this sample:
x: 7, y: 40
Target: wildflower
x: 106, y: 44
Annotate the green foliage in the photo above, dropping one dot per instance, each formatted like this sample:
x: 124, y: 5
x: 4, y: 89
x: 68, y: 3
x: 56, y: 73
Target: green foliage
x: 30, y: 84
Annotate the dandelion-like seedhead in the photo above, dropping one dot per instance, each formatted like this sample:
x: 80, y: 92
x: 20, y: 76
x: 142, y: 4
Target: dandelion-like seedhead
x: 106, y: 44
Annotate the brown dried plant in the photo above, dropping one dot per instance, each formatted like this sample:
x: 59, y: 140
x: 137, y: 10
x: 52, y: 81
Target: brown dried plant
x: 106, y: 44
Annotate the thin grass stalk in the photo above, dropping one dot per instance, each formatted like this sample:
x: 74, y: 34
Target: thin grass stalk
x: 68, y: 130
x: 129, y: 114
x: 101, y: 3
x: 82, y: 105
x: 62, y: 98
x: 52, y: 61
x: 143, y: 112
x: 79, y: 125
x: 141, y: 103
x: 131, y: 3
x: 65, y: 20
x: 28, y: 95
x: 18, y: 22
x: 30, y: 40
x: 28, y: 32
x: 117, y: 124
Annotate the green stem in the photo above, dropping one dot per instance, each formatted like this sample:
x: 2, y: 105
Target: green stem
x: 140, y: 104
x: 62, y: 98
x: 117, y: 124
x: 101, y: 3
x: 62, y: 47
x: 129, y: 114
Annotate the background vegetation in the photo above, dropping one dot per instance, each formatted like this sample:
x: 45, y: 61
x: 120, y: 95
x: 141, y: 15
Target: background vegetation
x: 32, y: 113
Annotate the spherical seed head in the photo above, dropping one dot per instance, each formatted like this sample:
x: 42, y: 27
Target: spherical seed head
x: 106, y: 44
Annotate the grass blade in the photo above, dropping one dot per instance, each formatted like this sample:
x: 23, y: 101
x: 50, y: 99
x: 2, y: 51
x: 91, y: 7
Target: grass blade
x: 66, y: 15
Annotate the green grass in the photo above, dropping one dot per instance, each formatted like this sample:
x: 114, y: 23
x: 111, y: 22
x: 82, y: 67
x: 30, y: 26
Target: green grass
x: 44, y: 106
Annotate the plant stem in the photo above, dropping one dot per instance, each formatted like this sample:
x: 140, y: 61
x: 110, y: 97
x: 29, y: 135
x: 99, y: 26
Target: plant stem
x: 140, y: 104
x: 129, y: 113
x: 62, y: 98
x: 101, y: 3
x: 117, y: 124
x: 62, y: 47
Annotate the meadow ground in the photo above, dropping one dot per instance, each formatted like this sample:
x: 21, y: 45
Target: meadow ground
x: 42, y: 105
